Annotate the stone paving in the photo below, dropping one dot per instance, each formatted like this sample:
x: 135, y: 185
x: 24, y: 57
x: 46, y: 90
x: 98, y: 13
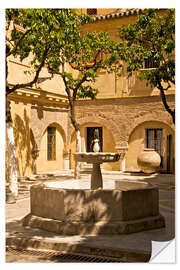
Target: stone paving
x: 135, y: 247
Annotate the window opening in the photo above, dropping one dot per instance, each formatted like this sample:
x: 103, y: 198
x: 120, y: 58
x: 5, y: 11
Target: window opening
x: 90, y: 138
x: 51, y: 143
x: 154, y: 139
x: 92, y: 11
x: 150, y: 62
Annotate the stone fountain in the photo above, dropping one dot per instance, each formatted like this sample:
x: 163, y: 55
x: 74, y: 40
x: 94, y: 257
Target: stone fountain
x: 96, y: 159
x: 95, y: 206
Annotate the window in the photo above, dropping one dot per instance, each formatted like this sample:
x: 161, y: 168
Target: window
x: 51, y: 143
x: 150, y: 62
x: 90, y: 137
x: 92, y: 11
x: 154, y: 139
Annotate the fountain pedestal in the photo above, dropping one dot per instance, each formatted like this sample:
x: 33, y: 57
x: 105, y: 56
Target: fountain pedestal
x: 96, y: 158
x: 96, y: 177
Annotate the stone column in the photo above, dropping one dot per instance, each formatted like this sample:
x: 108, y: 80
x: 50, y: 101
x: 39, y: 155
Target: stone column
x: 122, y: 150
x: 96, y: 177
x: 35, y: 154
x: 66, y: 156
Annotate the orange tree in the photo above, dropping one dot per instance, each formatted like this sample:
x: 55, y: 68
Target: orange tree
x: 152, y: 36
x: 54, y: 40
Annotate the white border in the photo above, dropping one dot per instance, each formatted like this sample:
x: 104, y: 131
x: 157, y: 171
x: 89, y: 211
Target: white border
x: 166, y: 255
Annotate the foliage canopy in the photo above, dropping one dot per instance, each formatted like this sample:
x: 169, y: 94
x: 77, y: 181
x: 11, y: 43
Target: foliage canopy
x: 152, y: 36
x: 53, y: 39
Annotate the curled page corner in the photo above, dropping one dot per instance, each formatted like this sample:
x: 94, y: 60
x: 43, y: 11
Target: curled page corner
x: 163, y: 252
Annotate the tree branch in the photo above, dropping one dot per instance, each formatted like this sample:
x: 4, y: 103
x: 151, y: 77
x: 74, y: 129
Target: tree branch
x: 29, y: 84
x: 78, y: 85
x: 166, y: 106
x: 18, y: 43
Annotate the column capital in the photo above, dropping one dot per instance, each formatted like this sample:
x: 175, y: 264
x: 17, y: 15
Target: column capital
x: 121, y: 149
x: 35, y: 153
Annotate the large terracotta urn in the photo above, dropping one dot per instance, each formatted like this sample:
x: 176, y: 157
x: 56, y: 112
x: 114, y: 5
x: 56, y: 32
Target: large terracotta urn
x: 148, y: 160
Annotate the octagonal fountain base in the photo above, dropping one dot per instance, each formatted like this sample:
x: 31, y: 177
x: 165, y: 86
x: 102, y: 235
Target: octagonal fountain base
x: 72, y: 208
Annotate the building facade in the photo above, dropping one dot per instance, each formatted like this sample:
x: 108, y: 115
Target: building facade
x: 129, y: 115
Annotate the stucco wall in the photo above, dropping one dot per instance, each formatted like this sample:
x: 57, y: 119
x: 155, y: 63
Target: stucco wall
x: 23, y: 136
x: 16, y: 74
x: 30, y: 121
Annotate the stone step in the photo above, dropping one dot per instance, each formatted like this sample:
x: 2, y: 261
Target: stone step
x: 23, y: 192
x: 36, y: 177
x: 27, y: 183
x: 23, y: 189
x: 22, y: 196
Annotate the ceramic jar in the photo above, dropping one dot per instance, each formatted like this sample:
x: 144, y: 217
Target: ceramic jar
x: 148, y: 160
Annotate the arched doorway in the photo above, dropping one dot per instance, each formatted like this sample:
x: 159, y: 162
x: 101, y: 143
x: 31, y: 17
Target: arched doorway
x: 51, y: 150
x: 107, y: 142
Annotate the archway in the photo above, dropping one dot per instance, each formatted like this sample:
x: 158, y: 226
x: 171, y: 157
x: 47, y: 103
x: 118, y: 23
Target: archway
x: 151, y: 132
x: 51, y: 149
x: 97, y: 119
x: 108, y: 142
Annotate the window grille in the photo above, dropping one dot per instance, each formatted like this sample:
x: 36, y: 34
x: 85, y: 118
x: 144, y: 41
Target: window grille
x: 51, y: 143
x: 154, y: 139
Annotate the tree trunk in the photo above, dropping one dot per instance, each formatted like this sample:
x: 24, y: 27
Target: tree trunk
x: 78, y: 149
x: 164, y: 101
x: 12, y: 160
x: 78, y: 137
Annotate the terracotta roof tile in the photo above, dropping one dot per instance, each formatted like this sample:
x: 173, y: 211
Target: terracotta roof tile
x: 119, y: 13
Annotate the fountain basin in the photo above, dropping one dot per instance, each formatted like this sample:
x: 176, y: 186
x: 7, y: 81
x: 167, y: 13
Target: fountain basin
x: 72, y: 208
x: 96, y: 157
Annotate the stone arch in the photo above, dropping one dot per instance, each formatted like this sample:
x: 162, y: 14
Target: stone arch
x: 108, y: 123
x: 110, y: 141
x: 44, y: 162
x: 153, y: 116
x: 137, y: 140
x: 39, y: 131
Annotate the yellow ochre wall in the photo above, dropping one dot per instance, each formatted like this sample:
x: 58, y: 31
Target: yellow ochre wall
x: 109, y: 85
x: 16, y: 74
x: 44, y: 165
x: 23, y: 137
